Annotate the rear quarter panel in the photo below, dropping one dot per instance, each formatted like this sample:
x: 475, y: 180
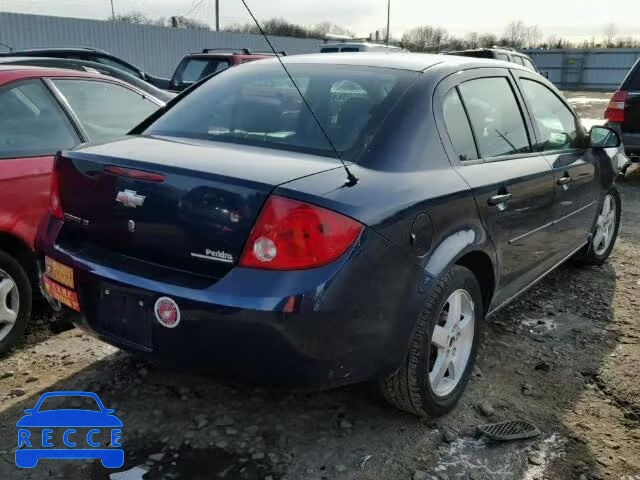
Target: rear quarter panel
x: 24, y: 195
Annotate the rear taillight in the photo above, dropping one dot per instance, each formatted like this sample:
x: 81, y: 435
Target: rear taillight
x: 293, y: 235
x: 615, y: 110
x: 55, y: 205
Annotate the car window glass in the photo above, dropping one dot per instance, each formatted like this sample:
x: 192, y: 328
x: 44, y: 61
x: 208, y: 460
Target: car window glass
x: 32, y: 123
x: 495, y: 117
x: 458, y: 128
x: 350, y: 49
x: 195, y: 69
x: 529, y: 64
x: 105, y: 110
x: 118, y: 65
x: 329, y: 50
x: 556, y: 123
x: 502, y: 56
x: 63, y: 402
x: 518, y: 60
x: 258, y: 105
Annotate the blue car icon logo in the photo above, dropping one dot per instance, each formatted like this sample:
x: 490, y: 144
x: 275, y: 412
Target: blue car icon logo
x: 69, y: 433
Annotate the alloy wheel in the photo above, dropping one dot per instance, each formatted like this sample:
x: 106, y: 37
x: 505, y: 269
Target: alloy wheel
x: 451, y: 343
x: 9, y: 303
x: 605, y: 225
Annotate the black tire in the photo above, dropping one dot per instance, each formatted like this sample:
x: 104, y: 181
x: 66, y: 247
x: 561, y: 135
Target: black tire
x: 16, y: 271
x: 409, y: 388
x: 589, y: 255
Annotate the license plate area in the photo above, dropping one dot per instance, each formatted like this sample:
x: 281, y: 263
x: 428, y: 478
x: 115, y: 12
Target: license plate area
x: 124, y: 314
x: 59, y: 272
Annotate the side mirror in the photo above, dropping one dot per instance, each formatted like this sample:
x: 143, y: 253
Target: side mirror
x: 604, y: 137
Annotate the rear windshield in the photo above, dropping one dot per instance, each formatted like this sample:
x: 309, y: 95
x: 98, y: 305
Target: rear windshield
x: 257, y: 104
x: 632, y: 82
x: 193, y: 69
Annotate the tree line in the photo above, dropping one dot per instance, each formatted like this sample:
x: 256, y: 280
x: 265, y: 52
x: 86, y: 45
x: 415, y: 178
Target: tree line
x: 517, y: 34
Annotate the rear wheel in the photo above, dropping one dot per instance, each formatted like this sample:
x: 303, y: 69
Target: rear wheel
x: 15, y: 301
x: 443, y: 348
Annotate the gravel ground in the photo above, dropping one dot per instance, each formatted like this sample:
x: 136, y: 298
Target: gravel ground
x: 565, y: 357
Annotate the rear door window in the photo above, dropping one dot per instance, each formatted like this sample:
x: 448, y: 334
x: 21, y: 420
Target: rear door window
x: 518, y: 60
x: 105, y: 110
x: 502, y: 56
x: 32, y: 122
x: 329, y: 50
x: 458, y: 127
x: 350, y: 49
x: 495, y: 117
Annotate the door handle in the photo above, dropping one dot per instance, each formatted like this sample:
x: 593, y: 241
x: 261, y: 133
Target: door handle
x: 499, y: 199
x: 566, y: 180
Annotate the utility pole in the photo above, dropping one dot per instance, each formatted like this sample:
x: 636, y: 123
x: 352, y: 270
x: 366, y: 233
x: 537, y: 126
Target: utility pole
x: 388, y: 19
x: 217, y: 15
x: 113, y: 12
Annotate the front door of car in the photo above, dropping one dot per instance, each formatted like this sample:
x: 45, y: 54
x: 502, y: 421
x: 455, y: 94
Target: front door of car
x: 486, y: 136
x: 563, y: 142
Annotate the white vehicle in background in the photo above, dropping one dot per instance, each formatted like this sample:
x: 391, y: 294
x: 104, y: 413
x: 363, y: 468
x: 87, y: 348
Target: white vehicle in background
x: 345, y: 46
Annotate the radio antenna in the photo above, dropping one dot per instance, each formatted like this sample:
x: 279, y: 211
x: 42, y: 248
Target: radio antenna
x: 351, y: 178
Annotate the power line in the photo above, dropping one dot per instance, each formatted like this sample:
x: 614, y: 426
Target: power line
x: 193, y: 8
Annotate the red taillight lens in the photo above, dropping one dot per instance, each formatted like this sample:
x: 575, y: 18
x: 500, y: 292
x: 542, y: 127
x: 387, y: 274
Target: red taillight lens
x: 615, y: 110
x: 55, y: 205
x: 136, y: 174
x: 293, y: 235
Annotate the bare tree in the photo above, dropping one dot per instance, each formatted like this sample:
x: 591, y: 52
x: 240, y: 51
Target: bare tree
x: 487, y: 40
x: 473, y: 39
x: 137, y: 18
x: 515, y: 33
x: 532, y: 36
x: 610, y: 32
x: 424, y: 38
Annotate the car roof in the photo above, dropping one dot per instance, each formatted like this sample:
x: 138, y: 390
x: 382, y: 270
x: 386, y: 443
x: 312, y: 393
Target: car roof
x: 55, y: 49
x: 416, y: 62
x: 9, y: 73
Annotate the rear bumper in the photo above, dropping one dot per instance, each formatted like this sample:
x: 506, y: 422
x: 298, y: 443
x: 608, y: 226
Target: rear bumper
x: 338, y: 324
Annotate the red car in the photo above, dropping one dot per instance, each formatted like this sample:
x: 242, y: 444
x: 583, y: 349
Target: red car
x: 42, y: 111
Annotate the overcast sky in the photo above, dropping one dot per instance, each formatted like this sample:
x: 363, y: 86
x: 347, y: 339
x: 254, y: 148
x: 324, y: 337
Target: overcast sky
x: 574, y: 19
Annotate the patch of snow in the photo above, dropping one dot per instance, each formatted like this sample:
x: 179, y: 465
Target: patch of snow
x: 592, y: 122
x: 539, y: 325
x: 135, y: 473
x: 586, y: 100
x: 551, y: 448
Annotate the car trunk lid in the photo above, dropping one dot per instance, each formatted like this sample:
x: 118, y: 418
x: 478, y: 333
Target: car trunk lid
x: 185, y: 205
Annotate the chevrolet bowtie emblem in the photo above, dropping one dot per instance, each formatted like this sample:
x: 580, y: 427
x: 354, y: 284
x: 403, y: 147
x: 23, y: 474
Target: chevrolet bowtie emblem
x: 130, y: 198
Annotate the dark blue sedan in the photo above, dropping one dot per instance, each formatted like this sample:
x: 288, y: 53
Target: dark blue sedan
x: 225, y: 231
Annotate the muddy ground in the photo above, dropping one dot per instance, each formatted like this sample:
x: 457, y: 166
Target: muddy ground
x: 566, y: 357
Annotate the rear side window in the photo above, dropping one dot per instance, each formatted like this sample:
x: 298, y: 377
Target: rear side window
x: 502, y: 56
x: 194, y: 69
x: 350, y: 49
x: 32, y: 123
x: 556, y: 124
x: 495, y: 117
x: 329, y: 50
x: 458, y: 128
x: 518, y: 60
x: 529, y: 64
x: 632, y: 82
x: 105, y: 110
x: 258, y: 105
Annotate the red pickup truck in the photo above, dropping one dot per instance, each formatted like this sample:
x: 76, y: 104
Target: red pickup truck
x: 43, y: 111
